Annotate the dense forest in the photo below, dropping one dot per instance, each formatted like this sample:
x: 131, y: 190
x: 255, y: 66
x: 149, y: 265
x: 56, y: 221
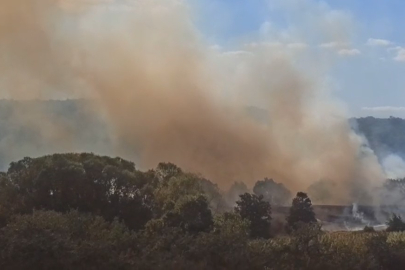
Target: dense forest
x: 83, y: 211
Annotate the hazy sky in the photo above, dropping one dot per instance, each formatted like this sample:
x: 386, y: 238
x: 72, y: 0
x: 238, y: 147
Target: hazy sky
x: 362, y: 41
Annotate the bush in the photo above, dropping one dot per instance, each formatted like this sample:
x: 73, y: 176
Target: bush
x: 191, y: 214
x: 257, y: 212
x: 368, y: 229
x: 50, y: 240
x: 395, y: 224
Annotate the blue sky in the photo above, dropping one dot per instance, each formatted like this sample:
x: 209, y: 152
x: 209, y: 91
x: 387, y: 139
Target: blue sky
x: 366, y: 37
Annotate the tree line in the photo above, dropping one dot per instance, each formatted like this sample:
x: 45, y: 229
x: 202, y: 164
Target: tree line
x: 83, y: 211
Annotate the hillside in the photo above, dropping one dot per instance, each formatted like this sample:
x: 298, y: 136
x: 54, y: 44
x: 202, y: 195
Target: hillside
x: 385, y: 136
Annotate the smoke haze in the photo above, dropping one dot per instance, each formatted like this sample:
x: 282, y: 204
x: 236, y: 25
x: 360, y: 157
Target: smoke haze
x: 394, y: 166
x: 166, y: 95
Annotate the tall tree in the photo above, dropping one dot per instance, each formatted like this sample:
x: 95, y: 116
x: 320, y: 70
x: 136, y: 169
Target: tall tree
x: 258, y: 212
x: 165, y: 171
x: 109, y: 187
x: 395, y: 224
x: 301, y: 212
x: 192, y: 214
x: 168, y: 193
x: 50, y: 240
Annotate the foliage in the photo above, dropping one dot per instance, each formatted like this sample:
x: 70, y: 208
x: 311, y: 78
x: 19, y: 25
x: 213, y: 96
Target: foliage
x: 368, y: 229
x: 49, y: 240
x: 226, y: 246
x: 231, y: 224
x: 388, y: 250
x: 182, y: 228
x: 214, y: 196
x: 109, y: 187
x: 257, y: 212
x: 395, y: 224
x: 191, y: 214
x: 301, y: 212
x: 305, y: 247
x: 167, y: 194
x: 165, y: 171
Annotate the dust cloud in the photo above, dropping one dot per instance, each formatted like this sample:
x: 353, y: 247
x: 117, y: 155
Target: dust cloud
x: 168, y: 96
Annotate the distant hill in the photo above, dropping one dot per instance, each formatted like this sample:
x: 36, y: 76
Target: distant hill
x: 25, y: 132
x: 385, y: 136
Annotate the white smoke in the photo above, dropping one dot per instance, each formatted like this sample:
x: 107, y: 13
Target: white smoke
x: 394, y: 167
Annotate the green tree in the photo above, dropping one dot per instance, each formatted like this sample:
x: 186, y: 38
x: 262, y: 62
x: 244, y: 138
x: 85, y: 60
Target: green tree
x: 395, y: 224
x: 301, y: 212
x: 109, y: 187
x: 165, y: 171
x: 214, y: 196
x: 167, y: 194
x: 305, y: 248
x: 368, y: 229
x: 192, y: 214
x: 10, y: 201
x: 50, y: 240
x: 226, y: 247
x: 257, y: 212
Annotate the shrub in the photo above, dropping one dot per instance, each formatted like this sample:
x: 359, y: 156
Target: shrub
x: 395, y: 224
x: 368, y: 229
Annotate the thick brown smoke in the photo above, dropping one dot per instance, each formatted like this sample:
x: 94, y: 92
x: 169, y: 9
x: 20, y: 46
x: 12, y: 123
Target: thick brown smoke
x: 169, y: 97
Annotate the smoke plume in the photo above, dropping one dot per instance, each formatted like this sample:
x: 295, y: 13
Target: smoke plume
x: 394, y: 167
x: 168, y: 96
